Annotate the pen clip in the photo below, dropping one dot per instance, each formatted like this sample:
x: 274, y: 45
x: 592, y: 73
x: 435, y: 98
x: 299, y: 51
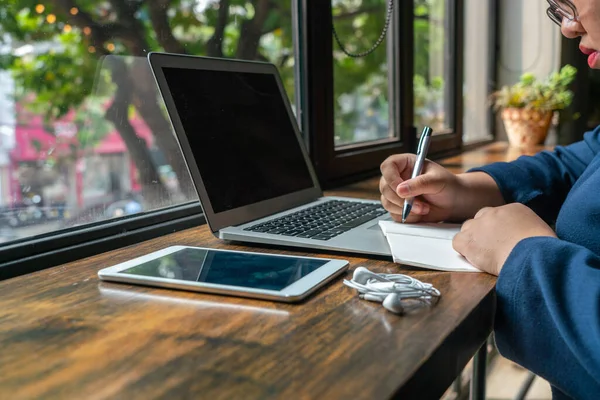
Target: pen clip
x: 426, y: 132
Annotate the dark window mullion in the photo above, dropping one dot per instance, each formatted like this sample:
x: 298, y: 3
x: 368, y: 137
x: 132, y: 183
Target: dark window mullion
x: 52, y: 249
x: 451, y: 56
x: 318, y: 61
x: 405, y: 65
x: 458, y: 65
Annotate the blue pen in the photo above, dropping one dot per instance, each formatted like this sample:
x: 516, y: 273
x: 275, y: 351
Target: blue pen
x: 421, y: 156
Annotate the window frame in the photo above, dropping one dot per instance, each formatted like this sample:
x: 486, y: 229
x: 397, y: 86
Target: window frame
x: 50, y: 249
x: 311, y: 21
x: 354, y: 161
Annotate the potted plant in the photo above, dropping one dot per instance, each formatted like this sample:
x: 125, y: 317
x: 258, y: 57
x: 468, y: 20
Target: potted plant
x: 528, y: 106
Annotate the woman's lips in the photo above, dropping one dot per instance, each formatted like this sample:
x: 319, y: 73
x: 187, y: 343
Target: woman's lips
x: 593, y: 59
x: 592, y: 54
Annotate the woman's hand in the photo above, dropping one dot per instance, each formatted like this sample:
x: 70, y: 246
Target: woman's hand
x: 439, y: 194
x: 487, y: 240
x: 436, y: 189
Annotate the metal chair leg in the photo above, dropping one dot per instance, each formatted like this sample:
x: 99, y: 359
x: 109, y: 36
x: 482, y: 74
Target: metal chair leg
x: 477, y: 391
x: 525, y: 387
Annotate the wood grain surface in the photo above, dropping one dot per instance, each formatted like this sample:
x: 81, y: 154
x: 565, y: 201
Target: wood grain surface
x: 65, y: 334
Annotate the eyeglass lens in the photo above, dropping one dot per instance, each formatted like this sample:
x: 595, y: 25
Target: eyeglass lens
x: 564, y: 8
x: 557, y: 19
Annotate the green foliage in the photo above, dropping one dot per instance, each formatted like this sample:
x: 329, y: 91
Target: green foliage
x: 63, y: 79
x: 429, y: 19
x: 91, y: 123
x: 429, y: 102
x: 361, y: 84
x: 550, y: 94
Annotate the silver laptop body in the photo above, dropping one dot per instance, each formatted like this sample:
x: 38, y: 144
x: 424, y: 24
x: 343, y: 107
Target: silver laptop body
x: 245, y: 154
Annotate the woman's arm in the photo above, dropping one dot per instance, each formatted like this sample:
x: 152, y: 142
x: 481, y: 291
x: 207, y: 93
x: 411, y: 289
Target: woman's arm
x: 548, y: 313
x: 543, y: 181
x: 476, y: 191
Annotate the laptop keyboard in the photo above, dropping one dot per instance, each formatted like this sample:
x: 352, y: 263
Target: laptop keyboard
x: 323, y: 221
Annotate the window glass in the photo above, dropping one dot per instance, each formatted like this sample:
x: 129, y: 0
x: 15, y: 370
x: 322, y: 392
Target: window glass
x: 431, y: 63
x: 476, y: 85
x: 362, y: 86
x: 83, y: 134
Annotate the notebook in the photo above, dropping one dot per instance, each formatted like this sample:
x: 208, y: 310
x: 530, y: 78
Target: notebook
x: 425, y: 245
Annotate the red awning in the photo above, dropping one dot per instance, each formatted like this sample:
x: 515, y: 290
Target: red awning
x: 34, y: 143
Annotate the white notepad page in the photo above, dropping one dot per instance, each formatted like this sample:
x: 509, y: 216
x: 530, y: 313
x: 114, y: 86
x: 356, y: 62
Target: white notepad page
x: 425, y: 245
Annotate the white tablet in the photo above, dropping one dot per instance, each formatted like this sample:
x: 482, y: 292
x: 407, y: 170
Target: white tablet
x: 238, y: 273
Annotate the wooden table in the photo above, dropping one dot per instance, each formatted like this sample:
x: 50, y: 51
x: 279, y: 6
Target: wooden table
x: 65, y: 334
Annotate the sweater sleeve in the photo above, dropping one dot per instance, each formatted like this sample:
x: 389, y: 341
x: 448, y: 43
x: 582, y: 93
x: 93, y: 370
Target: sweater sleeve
x: 543, y: 181
x: 548, y: 313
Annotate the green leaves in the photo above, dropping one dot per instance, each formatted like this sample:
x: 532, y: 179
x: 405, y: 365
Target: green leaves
x: 551, y: 94
x: 92, y: 125
x: 427, y: 101
x: 61, y: 81
x: 361, y: 85
x: 61, y: 70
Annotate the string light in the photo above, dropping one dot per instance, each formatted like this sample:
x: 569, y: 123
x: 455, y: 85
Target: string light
x: 110, y: 47
x: 87, y: 30
x: 51, y: 18
x: 67, y: 28
x: 92, y: 49
x: 74, y: 11
x: 40, y: 8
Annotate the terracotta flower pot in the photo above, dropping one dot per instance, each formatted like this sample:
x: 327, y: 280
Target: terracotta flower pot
x: 526, y: 128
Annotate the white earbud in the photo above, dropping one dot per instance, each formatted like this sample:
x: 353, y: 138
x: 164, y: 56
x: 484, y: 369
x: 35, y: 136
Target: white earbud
x: 393, y: 303
x: 398, y: 293
x: 362, y: 275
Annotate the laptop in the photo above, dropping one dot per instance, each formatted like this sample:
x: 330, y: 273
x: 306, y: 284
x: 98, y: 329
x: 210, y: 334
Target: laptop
x: 241, y: 142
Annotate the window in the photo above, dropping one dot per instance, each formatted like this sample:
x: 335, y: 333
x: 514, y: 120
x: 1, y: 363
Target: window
x: 85, y: 144
x: 355, y: 115
x: 432, y: 97
x: 380, y: 101
x: 362, y: 85
x: 84, y: 133
x: 439, y: 29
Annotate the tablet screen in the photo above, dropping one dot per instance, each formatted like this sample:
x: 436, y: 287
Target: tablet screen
x: 251, y: 270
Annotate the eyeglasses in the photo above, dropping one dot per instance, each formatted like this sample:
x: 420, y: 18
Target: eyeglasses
x: 560, y: 9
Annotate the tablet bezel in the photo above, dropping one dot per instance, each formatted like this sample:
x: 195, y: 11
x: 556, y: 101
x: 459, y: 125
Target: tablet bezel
x: 292, y: 293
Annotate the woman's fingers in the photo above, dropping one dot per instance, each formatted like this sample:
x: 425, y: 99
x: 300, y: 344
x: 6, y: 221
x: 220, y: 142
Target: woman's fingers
x: 428, y: 183
x: 418, y: 207
x: 389, y: 194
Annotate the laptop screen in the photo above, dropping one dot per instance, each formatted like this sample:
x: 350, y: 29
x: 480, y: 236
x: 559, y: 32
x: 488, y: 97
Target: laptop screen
x: 240, y: 134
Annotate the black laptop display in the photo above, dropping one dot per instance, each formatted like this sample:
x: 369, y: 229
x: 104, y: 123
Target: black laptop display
x: 240, y: 134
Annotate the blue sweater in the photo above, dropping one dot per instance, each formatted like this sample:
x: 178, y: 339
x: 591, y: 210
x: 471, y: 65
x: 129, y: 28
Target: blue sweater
x: 548, y: 293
